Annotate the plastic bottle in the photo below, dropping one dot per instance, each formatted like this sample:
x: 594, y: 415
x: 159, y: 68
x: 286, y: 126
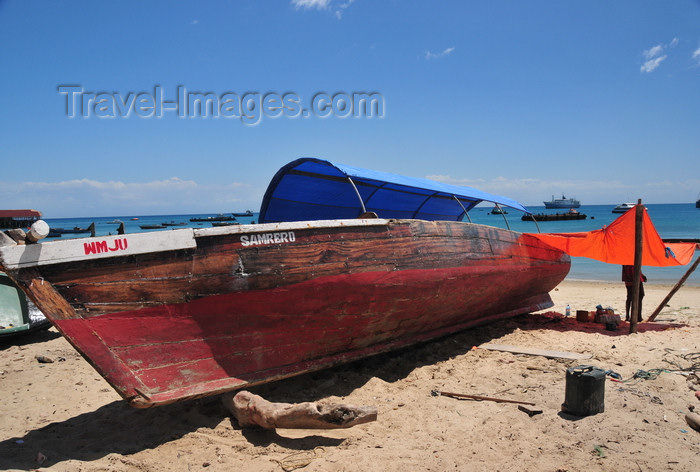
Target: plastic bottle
x: 568, y: 311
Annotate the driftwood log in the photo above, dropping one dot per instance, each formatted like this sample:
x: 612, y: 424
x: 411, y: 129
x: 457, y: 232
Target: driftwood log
x: 693, y: 420
x: 253, y: 410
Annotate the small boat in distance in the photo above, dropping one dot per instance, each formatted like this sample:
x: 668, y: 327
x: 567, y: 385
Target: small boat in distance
x: 498, y: 211
x: 219, y: 217
x: 623, y: 207
x: 155, y: 226
x: 333, y: 272
x: 174, y: 223
x: 562, y: 202
x: 245, y: 213
x: 569, y: 215
x: 58, y: 232
x: 224, y: 223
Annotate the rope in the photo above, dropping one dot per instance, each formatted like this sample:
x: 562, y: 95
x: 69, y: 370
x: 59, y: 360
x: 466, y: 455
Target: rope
x: 650, y: 374
x: 692, y: 369
x: 634, y: 391
x: 298, y: 459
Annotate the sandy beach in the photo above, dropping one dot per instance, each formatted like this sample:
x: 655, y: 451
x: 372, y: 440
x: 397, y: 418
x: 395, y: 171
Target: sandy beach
x: 62, y: 416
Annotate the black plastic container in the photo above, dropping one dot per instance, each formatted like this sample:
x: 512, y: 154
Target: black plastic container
x: 585, y: 391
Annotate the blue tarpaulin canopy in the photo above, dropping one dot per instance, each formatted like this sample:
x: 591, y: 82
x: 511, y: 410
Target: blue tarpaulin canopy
x: 314, y: 189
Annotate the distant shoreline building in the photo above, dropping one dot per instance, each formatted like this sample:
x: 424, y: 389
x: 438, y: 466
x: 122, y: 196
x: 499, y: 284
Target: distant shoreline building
x: 18, y: 218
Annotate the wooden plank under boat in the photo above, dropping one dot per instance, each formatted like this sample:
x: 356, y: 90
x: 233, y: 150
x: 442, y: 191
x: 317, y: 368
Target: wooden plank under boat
x: 168, y: 316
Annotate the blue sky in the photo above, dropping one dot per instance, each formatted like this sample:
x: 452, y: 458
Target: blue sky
x: 599, y: 100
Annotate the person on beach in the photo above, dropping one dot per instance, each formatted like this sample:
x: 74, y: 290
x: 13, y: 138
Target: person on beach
x: 628, y: 279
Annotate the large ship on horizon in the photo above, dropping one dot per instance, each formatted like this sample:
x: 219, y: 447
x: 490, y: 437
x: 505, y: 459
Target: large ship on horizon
x: 562, y: 202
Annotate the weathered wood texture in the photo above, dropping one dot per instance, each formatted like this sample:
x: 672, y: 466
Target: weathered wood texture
x: 536, y: 352
x: 185, y: 323
x: 253, y: 410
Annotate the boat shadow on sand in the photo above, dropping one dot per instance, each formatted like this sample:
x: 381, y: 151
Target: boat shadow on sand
x: 93, y: 435
x: 29, y: 337
x: 96, y: 434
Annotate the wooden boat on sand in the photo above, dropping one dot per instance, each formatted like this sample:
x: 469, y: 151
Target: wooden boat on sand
x: 181, y: 314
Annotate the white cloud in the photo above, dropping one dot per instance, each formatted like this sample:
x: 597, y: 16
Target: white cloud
x: 653, y: 58
x: 431, y: 55
x: 341, y: 7
x: 87, y: 197
x: 532, y: 191
x: 696, y: 56
x: 652, y: 64
x: 653, y: 52
x: 323, y: 5
x: 655, y: 55
x: 309, y: 4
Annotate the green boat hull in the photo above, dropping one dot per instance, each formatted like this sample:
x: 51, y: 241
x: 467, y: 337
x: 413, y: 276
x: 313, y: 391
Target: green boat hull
x: 15, y: 310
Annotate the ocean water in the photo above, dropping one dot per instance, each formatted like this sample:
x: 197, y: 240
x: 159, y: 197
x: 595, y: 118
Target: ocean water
x: 671, y: 221
x: 108, y: 225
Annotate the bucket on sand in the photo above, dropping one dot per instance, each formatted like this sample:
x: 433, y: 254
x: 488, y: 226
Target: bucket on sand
x: 585, y: 391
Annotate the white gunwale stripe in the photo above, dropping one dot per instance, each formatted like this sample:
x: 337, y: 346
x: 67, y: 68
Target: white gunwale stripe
x: 82, y: 249
x: 101, y: 247
x: 286, y: 226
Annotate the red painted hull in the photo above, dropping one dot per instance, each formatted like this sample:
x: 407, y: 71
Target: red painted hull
x: 228, y: 313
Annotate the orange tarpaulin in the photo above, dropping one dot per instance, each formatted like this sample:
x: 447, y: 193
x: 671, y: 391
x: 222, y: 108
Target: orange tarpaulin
x: 615, y: 244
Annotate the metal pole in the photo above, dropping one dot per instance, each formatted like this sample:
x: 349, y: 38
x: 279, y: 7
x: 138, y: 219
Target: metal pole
x: 535, y: 221
x: 463, y: 209
x: 503, y: 214
x: 359, y: 197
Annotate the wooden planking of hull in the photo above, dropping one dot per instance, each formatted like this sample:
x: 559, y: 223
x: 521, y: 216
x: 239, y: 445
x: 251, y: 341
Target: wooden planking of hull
x: 168, y: 316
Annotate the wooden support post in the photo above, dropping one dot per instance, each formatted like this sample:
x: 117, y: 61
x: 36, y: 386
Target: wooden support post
x: 674, y: 290
x: 638, y: 241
